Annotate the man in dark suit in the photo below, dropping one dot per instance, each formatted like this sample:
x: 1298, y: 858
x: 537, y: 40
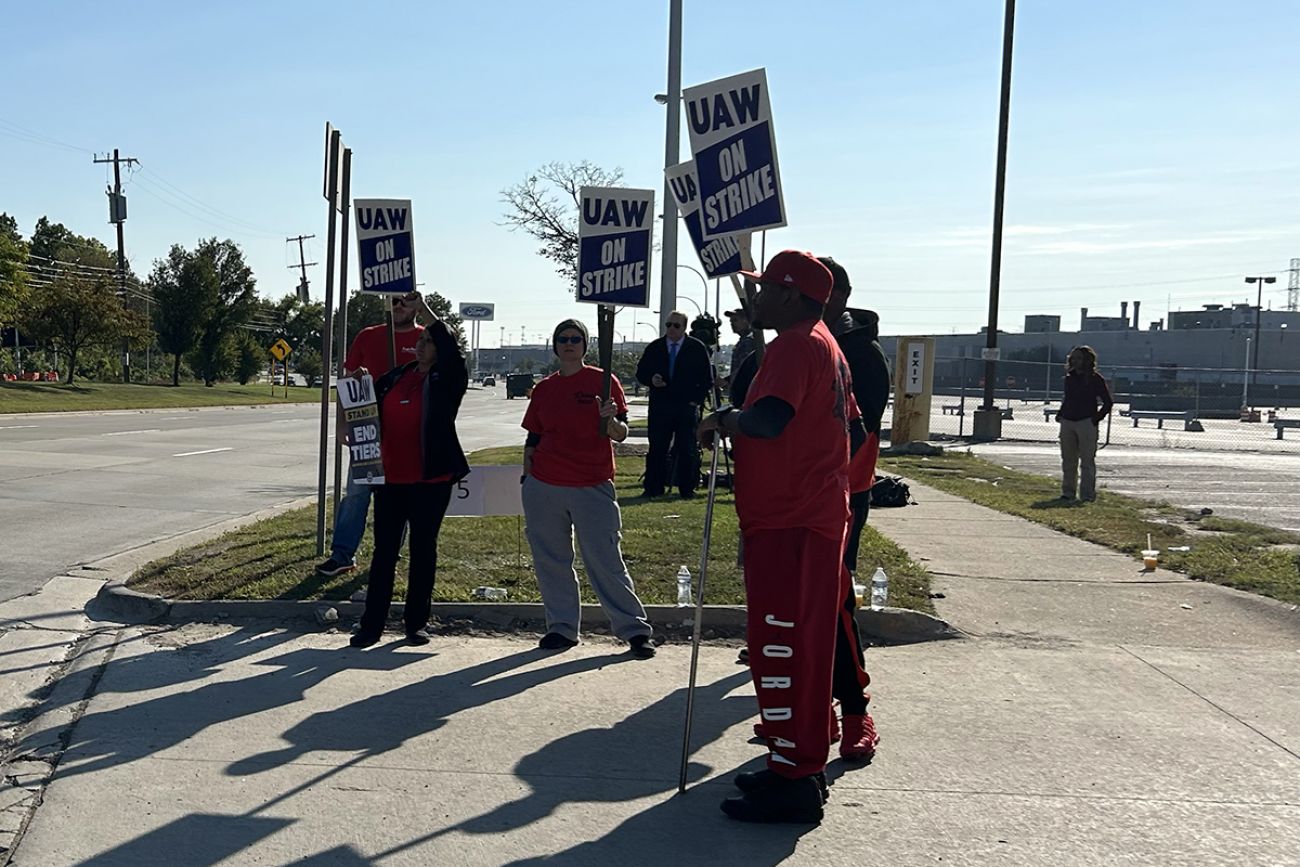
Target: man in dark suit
x: 677, y: 371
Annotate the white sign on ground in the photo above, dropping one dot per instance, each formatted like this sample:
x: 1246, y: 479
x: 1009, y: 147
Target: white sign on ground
x: 385, y: 246
x: 615, y: 230
x: 487, y: 491
x: 734, y: 145
x: 719, y: 256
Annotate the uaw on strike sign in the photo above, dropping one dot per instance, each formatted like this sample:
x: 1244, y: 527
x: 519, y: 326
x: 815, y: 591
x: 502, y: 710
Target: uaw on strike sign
x: 385, y: 245
x: 615, y: 226
x: 734, y: 146
x: 720, y: 256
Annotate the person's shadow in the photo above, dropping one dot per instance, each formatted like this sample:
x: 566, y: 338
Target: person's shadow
x: 638, y: 757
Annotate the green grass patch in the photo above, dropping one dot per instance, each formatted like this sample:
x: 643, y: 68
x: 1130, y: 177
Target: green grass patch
x: 275, y: 558
x: 1225, y: 551
x: 58, y: 397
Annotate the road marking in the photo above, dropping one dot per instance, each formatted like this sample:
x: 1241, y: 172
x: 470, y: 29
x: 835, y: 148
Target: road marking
x: 173, y: 418
x: 204, y: 452
x: 122, y: 433
x: 18, y: 426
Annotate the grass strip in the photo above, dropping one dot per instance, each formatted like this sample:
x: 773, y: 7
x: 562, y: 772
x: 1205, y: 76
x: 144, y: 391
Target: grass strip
x: 1226, y: 551
x: 58, y: 397
x: 275, y: 558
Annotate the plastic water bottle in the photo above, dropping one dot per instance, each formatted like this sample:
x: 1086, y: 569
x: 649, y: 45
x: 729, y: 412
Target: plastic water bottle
x: 879, y: 589
x: 684, y: 588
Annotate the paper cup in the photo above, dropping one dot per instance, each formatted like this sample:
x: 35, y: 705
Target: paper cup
x: 1150, y: 559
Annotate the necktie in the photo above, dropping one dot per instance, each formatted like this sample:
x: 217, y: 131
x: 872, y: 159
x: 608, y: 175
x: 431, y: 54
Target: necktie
x: 672, y: 358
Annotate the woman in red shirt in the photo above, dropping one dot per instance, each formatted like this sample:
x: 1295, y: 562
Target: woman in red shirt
x: 422, y: 457
x: 569, y: 486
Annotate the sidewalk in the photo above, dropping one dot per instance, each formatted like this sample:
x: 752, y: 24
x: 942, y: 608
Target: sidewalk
x: 1090, y: 719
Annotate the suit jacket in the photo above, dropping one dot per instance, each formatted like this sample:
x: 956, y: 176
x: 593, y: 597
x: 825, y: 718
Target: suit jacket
x: 692, y: 377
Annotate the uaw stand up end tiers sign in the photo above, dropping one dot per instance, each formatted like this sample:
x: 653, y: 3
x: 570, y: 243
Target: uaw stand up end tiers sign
x: 361, y: 413
x: 615, y: 228
x: 386, y: 245
x: 734, y: 145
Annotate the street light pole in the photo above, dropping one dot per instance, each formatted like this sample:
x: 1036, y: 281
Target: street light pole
x: 1259, y: 310
x: 989, y: 419
x: 672, y: 151
x: 703, y: 282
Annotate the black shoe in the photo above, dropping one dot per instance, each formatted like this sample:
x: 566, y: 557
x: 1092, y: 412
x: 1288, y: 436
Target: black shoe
x: 742, y: 658
x: 364, y: 639
x: 642, y: 648
x: 418, y: 638
x: 783, y: 800
x: 332, y: 567
x: 556, y: 641
x: 756, y: 780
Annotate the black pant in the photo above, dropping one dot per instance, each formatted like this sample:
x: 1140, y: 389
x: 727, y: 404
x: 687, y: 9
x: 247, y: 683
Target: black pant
x: 672, y: 429
x: 422, y: 506
x: 849, y: 658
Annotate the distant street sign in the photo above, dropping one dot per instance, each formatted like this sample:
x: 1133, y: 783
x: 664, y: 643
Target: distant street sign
x: 615, y: 230
x: 720, y: 256
x: 385, y: 245
x: 993, y: 354
x: 482, y: 312
x: 330, y: 189
x: 281, y: 349
x: 734, y: 146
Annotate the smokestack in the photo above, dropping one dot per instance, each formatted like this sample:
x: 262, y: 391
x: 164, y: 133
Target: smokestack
x: 1123, y: 310
x: 1137, y: 306
x: 1083, y: 317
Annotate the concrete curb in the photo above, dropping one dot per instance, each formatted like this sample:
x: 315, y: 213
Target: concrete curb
x: 119, y: 603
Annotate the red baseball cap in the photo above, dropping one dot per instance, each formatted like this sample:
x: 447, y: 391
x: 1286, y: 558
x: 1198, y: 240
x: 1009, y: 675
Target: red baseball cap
x: 799, y: 269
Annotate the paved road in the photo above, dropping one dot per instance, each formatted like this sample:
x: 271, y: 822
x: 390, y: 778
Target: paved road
x: 1251, y: 486
x: 76, y: 487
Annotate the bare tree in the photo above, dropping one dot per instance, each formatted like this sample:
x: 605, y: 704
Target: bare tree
x: 546, y: 203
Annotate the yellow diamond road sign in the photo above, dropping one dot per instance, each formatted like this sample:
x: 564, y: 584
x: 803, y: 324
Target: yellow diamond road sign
x: 280, y: 349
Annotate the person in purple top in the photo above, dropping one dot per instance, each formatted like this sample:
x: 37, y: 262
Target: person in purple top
x: 1087, y: 401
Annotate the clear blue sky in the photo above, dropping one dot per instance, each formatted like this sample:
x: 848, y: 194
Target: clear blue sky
x: 1152, y: 156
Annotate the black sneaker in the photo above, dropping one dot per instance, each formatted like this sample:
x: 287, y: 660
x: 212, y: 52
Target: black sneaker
x: 755, y: 780
x: 782, y: 800
x: 362, y: 638
x: 742, y: 658
x: 418, y: 638
x: 556, y: 641
x: 642, y: 648
x: 332, y: 567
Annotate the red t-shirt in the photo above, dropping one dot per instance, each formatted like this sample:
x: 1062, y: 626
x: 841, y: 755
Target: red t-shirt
x: 565, y: 410
x: 400, y: 444
x: 800, y: 478
x: 370, y: 349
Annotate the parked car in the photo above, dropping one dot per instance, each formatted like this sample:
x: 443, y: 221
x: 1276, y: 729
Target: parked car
x: 519, y: 385
x: 489, y: 381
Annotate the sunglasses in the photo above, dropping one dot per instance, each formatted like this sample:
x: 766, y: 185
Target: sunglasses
x: 676, y: 325
x: 575, y: 338
x: 398, y: 302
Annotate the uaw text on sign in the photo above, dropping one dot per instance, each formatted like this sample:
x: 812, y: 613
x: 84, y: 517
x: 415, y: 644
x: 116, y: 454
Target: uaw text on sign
x: 615, y: 229
x: 734, y: 145
x: 386, y: 245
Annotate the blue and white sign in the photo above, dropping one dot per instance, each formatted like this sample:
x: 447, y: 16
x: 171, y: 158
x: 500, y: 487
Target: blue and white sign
x: 615, y: 231
x: 734, y: 145
x: 720, y: 256
x: 385, y: 245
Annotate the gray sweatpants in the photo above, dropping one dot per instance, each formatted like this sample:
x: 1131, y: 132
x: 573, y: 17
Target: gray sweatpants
x: 553, y: 513
x: 1079, y: 458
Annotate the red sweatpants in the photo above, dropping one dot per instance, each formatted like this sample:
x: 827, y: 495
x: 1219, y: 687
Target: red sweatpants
x: 793, y: 590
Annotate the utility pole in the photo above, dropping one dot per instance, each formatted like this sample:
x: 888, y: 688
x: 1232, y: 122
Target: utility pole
x: 1259, y: 310
x: 303, y: 264
x: 117, y: 215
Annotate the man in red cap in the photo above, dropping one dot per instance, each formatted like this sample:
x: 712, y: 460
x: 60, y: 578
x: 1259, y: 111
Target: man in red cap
x: 792, y: 447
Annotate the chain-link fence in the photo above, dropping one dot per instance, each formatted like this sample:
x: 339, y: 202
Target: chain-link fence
x: 1160, y: 406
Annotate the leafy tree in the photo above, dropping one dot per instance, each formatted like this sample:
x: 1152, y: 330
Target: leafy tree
x: 183, y: 296
x: 74, y: 312
x: 545, y: 205
x: 233, y: 304
x: 308, y: 363
x: 251, y: 356
x: 14, y: 279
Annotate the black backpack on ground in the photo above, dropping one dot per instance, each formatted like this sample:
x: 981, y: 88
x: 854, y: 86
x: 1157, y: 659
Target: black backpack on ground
x: 888, y: 491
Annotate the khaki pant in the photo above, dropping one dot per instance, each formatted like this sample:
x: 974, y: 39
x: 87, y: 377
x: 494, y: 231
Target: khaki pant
x: 1079, y: 450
